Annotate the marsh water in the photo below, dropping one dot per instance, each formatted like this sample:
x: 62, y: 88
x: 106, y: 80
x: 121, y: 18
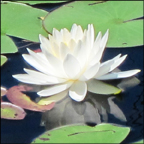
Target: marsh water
x: 124, y: 109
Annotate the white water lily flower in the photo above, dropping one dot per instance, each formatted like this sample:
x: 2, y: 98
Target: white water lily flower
x: 71, y: 61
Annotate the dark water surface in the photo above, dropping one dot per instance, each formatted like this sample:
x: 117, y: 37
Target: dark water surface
x: 124, y: 109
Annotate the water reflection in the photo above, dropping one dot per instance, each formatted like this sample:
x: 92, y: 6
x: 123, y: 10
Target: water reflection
x: 93, y: 110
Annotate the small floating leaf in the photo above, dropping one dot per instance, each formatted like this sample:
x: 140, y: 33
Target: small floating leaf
x: 3, y: 59
x: 15, y: 95
x: 11, y: 111
x: 7, y: 45
x: 102, y: 133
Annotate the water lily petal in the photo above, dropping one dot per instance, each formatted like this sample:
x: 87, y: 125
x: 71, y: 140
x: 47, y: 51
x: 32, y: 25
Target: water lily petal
x: 54, y: 98
x: 37, y: 64
x: 66, y: 35
x: 106, y: 67
x: 78, y: 91
x: 118, y: 75
x: 63, y: 50
x: 57, y: 35
x: 53, y: 65
x: 44, y: 77
x: 28, y: 79
x: 91, y: 72
x: 73, y: 31
x: 71, y: 66
x: 117, y: 62
x: 45, y: 43
x: 102, y: 46
x: 54, y: 89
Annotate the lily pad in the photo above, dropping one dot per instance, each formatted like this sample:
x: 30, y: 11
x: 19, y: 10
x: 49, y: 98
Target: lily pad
x: 7, y: 45
x: 3, y: 59
x: 11, y: 111
x: 21, y: 20
x: 120, y: 17
x: 15, y: 95
x: 102, y: 133
x: 40, y: 2
x: 99, y: 87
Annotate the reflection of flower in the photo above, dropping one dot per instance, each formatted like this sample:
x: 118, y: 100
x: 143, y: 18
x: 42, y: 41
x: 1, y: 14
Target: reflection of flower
x: 94, y: 110
x: 70, y: 61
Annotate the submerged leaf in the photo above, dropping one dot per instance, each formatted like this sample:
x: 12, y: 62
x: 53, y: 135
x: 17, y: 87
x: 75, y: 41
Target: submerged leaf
x: 102, y: 133
x: 15, y: 95
x: 11, y: 111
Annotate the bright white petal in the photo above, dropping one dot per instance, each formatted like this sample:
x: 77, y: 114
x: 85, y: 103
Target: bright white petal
x: 71, y: 45
x: 78, y: 91
x: 91, y: 72
x: 79, y: 33
x: 117, y: 62
x: 53, y: 98
x: 54, y: 89
x: 44, y: 77
x: 57, y: 35
x: 71, y: 66
x: 37, y: 64
x: 28, y: 79
x: 73, y: 31
x: 63, y: 50
x: 66, y: 35
x: 45, y: 43
x: 119, y: 75
x: 102, y: 46
x: 106, y: 66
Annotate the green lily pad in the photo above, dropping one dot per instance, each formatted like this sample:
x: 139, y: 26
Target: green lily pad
x: 11, y: 111
x: 102, y: 133
x: 21, y: 20
x: 117, y: 16
x: 99, y: 87
x: 3, y: 59
x: 7, y: 45
x: 40, y: 2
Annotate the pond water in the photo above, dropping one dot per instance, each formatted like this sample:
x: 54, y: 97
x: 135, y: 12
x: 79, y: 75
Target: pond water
x: 124, y: 109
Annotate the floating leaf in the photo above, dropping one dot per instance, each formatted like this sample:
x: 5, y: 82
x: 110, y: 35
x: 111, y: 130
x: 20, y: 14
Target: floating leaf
x: 22, y: 21
x: 102, y: 133
x: 99, y: 87
x: 11, y: 111
x: 7, y: 45
x: 15, y: 95
x: 40, y: 2
x: 3, y: 59
x: 117, y: 16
